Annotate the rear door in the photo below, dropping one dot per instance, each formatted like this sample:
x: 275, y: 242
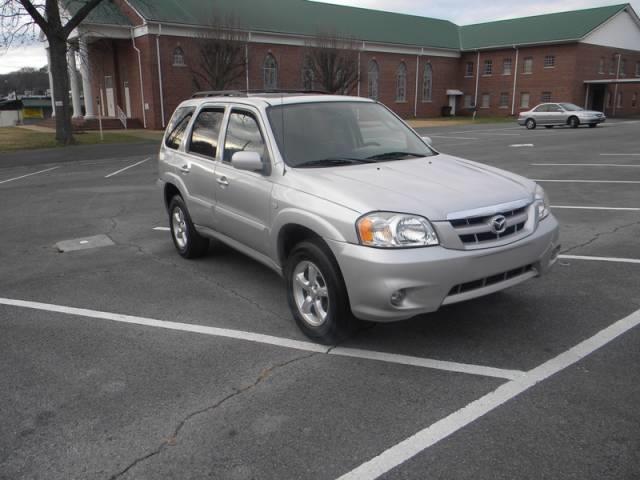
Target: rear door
x: 198, y: 163
x: 243, y: 198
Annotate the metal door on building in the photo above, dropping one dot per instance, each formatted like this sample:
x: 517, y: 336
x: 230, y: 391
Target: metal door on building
x: 111, y: 98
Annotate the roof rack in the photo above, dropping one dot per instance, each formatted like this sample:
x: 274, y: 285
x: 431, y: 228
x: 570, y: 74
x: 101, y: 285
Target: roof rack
x: 246, y: 93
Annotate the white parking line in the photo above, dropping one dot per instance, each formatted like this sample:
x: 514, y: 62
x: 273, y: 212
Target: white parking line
x: 586, y: 181
x: 127, y: 168
x: 403, y: 451
x: 269, y: 340
x: 600, y: 259
x: 162, y: 229
x: 28, y: 175
x: 519, y: 145
x: 621, y: 209
x: 620, y: 154
x: 454, y: 138
x: 583, y: 165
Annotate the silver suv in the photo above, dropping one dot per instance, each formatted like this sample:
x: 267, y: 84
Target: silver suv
x: 358, y: 213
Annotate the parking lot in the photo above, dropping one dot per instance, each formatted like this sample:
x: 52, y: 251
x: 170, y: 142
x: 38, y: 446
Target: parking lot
x: 126, y: 361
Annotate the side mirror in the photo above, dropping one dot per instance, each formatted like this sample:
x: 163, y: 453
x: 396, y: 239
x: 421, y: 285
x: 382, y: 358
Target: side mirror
x: 250, y: 161
x: 427, y: 140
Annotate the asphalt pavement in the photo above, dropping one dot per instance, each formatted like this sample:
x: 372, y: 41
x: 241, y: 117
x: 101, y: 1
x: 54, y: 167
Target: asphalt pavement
x: 129, y: 362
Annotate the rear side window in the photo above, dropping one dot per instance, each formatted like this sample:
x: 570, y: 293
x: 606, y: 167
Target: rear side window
x: 177, y: 126
x: 206, y: 131
x: 243, y: 135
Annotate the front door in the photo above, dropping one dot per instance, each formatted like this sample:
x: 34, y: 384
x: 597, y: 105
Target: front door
x: 111, y: 98
x: 243, y: 198
x: 127, y: 99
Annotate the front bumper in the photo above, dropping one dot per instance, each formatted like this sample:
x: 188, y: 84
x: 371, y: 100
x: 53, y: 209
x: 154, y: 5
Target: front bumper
x: 593, y: 120
x: 427, y: 276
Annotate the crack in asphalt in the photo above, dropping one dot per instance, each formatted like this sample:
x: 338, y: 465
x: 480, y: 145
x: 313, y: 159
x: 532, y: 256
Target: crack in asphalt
x: 600, y: 234
x: 172, y: 439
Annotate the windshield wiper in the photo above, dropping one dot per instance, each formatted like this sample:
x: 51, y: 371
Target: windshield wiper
x: 333, y: 161
x: 395, y: 156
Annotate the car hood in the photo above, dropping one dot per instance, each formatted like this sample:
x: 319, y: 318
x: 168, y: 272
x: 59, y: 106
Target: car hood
x: 589, y: 113
x: 432, y: 187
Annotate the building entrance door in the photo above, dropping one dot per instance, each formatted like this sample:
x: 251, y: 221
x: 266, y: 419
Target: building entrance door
x: 127, y: 99
x: 111, y: 98
x: 597, y: 97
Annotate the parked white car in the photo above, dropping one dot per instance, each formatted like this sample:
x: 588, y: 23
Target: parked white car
x: 550, y: 115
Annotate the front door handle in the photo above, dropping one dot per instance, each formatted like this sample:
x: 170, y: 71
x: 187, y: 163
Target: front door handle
x: 186, y: 168
x: 223, y: 181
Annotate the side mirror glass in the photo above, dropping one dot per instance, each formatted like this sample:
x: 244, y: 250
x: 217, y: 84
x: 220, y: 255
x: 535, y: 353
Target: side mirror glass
x: 250, y: 161
x: 427, y: 140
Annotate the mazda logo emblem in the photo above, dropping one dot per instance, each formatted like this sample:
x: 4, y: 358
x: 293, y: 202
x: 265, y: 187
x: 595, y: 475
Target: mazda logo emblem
x: 498, y: 224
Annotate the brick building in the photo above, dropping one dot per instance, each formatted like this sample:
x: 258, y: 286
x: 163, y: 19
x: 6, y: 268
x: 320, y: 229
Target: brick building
x: 136, y: 58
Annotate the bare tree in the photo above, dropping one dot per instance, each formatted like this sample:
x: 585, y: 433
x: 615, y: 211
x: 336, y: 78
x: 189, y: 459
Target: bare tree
x: 221, y: 55
x: 333, y: 60
x: 20, y: 20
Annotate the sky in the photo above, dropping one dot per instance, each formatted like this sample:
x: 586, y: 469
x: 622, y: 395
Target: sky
x: 461, y: 12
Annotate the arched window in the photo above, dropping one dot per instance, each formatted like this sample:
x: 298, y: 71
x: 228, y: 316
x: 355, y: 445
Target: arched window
x: 427, y: 83
x: 401, y: 83
x: 374, y: 79
x: 307, y: 74
x: 178, y: 57
x: 270, y: 69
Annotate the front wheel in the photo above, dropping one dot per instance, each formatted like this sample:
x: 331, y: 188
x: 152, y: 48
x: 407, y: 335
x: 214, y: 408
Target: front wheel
x: 574, y: 122
x: 530, y: 124
x: 186, y: 239
x: 316, y: 293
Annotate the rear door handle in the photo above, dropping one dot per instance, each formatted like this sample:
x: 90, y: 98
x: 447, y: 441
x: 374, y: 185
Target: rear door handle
x: 223, y: 181
x: 186, y: 168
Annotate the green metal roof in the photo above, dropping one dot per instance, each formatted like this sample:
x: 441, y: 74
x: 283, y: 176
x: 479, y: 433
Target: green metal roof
x: 553, y: 27
x: 308, y: 18
x: 106, y: 13
x: 303, y: 17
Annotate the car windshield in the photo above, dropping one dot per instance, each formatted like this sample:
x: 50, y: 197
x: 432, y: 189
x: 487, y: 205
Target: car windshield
x: 571, y: 107
x: 322, y: 134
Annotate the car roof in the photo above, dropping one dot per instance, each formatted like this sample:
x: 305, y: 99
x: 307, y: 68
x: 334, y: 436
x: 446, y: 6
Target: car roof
x: 270, y: 99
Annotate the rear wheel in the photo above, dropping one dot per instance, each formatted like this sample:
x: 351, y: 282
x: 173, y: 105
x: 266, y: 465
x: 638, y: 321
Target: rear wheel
x: 316, y: 293
x: 530, y: 124
x: 574, y: 122
x: 186, y: 239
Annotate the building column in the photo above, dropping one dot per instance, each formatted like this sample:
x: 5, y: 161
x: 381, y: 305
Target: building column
x: 85, y: 71
x: 53, y: 104
x: 73, y: 80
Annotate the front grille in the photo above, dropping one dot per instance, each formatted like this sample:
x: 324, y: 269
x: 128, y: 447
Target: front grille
x: 475, y: 230
x: 485, y: 282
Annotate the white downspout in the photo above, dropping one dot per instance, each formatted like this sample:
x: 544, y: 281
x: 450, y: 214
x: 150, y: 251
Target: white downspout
x: 246, y: 60
x: 615, y: 90
x: 160, y: 73
x: 475, y: 101
x: 415, y: 101
x: 515, y: 83
x: 144, y: 114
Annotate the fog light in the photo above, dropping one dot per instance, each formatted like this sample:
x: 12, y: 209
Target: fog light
x: 397, y: 298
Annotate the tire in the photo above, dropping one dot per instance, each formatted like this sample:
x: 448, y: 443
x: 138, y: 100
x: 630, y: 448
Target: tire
x: 574, y: 122
x: 593, y: 125
x: 530, y: 124
x: 186, y: 239
x: 548, y: 126
x: 316, y: 293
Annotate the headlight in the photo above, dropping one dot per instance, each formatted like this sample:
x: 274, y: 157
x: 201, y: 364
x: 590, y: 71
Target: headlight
x: 542, y: 203
x: 395, y: 230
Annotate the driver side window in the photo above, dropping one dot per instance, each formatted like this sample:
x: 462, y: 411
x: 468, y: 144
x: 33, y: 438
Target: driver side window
x: 243, y: 135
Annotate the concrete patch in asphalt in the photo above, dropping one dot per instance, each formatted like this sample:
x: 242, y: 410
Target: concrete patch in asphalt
x: 84, y: 243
